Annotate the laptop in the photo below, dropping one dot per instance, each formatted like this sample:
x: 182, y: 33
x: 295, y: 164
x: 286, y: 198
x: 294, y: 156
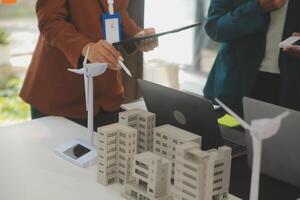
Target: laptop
x: 183, y: 110
x: 280, y: 154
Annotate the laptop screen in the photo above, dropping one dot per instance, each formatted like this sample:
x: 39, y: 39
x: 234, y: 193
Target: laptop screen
x: 188, y: 112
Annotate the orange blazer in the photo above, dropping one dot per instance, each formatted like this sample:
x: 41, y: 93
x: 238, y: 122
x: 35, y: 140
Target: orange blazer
x: 66, y: 26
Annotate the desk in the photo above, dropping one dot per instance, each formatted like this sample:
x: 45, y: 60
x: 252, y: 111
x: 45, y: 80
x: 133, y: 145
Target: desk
x: 30, y: 170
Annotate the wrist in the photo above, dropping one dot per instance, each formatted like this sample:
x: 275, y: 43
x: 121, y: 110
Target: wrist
x: 84, y: 49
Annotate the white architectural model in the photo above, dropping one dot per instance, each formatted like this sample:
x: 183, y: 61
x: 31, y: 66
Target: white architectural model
x: 167, y: 138
x: 152, y: 174
x: 202, y: 175
x: 197, y: 174
x: 144, y: 122
x: 117, y: 145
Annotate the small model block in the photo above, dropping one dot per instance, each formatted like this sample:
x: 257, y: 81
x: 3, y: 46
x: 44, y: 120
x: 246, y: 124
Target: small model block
x: 144, y: 122
x: 166, y: 139
x: 202, y: 175
x: 116, y: 147
x: 152, y: 174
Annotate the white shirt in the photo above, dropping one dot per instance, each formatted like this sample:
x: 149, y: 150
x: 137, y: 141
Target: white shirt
x: 274, y: 36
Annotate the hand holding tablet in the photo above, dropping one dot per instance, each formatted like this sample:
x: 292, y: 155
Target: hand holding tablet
x: 292, y: 45
x: 293, y: 40
x: 147, y: 44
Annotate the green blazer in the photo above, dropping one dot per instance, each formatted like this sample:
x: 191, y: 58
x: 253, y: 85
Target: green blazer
x: 241, y: 27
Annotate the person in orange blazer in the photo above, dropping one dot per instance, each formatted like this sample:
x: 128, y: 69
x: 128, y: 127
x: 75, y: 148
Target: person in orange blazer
x: 67, y: 28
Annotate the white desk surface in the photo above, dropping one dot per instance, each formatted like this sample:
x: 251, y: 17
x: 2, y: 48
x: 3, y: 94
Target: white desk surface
x: 29, y: 169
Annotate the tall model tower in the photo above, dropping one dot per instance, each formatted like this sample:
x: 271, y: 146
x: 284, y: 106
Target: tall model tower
x: 117, y: 145
x: 144, y: 122
x: 202, y: 175
x: 167, y: 138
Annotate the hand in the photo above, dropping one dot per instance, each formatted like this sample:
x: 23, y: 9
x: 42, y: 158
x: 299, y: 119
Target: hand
x: 270, y: 5
x: 102, y: 52
x: 293, y: 50
x: 148, y: 44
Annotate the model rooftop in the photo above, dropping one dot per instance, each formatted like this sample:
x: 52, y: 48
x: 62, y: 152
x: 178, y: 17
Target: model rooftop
x: 113, y: 127
x: 196, y: 154
x: 176, y: 133
x: 136, y: 111
x: 148, y: 157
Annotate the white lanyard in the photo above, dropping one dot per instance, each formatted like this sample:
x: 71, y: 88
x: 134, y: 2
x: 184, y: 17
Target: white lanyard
x: 110, y: 6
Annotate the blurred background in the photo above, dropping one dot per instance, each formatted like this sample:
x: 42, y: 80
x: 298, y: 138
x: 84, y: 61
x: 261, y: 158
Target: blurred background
x: 182, y: 60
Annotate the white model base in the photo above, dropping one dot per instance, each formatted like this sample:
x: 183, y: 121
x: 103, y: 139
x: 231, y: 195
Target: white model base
x: 88, y: 159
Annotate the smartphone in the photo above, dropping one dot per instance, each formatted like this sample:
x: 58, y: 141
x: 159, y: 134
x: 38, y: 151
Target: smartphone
x: 293, y: 40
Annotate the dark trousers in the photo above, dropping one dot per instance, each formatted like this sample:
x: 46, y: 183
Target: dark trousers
x: 103, y: 118
x: 267, y: 88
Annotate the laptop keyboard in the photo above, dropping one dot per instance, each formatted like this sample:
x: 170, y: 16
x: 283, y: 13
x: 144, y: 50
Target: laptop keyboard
x: 237, y: 149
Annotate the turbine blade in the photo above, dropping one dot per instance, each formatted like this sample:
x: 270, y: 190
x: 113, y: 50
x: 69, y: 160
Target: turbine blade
x: 77, y: 71
x: 242, y: 122
x: 86, y: 90
x: 86, y: 56
x: 96, y: 69
x: 283, y: 115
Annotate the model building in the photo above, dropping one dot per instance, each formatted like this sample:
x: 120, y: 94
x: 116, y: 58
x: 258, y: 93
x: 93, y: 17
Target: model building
x: 201, y: 175
x: 152, y: 178
x: 177, y: 156
x: 166, y: 139
x: 117, y: 145
x: 144, y: 122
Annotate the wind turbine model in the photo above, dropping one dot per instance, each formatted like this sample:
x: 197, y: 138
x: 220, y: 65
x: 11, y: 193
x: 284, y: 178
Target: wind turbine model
x: 260, y: 130
x: 78, y: 151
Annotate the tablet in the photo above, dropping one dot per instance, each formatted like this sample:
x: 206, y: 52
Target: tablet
x: 154, y: 36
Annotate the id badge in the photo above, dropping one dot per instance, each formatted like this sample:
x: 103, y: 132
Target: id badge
x: 111, y: 27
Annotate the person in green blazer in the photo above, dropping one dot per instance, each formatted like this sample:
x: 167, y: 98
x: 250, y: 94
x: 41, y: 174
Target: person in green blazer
x: 249, y: 61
